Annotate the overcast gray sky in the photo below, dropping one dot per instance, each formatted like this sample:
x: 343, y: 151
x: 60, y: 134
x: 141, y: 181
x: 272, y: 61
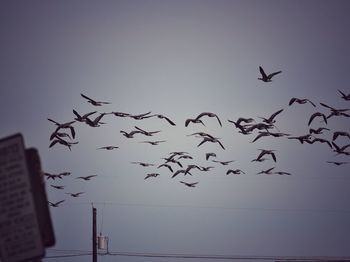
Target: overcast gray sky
x: 181, y: 58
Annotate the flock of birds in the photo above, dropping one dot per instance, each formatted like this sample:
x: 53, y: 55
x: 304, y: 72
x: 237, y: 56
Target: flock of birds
x: 65, y: 133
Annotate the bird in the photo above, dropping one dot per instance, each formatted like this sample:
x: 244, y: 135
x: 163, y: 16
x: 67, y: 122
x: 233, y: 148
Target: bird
x: 180, y: 171
x: 224, y: 163
x: 209, y: 114
x: 167, y: 166
x: 75, y: 194
x: 317, y: 114
x: 189, y: 184
x: 336, y: 134
x: 140, y: 116
x: 265, y: 77
x: 282, y: 173
x: 154, y: 143
x: 172, y: 160
x: 344, y: 96
x: 58, y: 135
x: 62, y: 142
x: 271, y: 120
x: 206, y: 168
x: 212, y: 140
x: 321, y: 140
x: 151, y: 175
x: 337, y: 163
x: 120, y: 114
x: 86, y: 178
x: 202, y: 134
x: 82, y: 118
x: 208, y: 155
x: 130, y: 134
x: 301, y: 139
x: 335, y: 112
x: 57, y: 187
x: 67, y: 125
x: 142, y: 164
x: 55, y: 204
x: 52, y: 176
x: 234, y: 171
x: 94, y: 102
x: 300, y: 101
x: 340, y: 150
x: 108, y: 147
x: 189, y: 167
x: 259, y: 160
x: 96, y: 122
x: 162, y: 117
x: 267, y: 152
x: 150, y: 133
x: 195, y: 121
x: 318, y: 131
x: 267, y: 171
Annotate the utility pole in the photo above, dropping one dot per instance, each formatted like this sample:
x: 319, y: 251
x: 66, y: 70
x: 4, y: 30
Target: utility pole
x: 94, y: 237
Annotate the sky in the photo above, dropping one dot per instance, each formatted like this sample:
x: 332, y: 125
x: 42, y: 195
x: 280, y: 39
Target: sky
x: 182, y: 58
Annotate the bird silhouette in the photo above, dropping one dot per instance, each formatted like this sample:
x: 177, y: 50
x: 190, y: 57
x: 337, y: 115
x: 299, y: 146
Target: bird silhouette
x: 224, y: 163
x: 189, y: 184
x: 195, y: 121
x: 267, y: 152
x: 154, y: 143
x: 56, y: 204
x: 318, y: 131
x: 337, y: 163
x: 271, y: 120
x: 57, y: 187
x: 62, y: 142
x: 267, y: 171
x: 300, y: 101
x: 265, y: 77
x: 209, y: 114
x: 94, y: 102
x: 167, y: 166
x: 82, y: 118
x: 317, y: 114
x: 162, y: 117
x: 108, y: 147
x: 75, y: 194
x: 67, y: 125
x: 344, y: 96
x: 151, y: 175
x: 234, y: 171
x: 142, y: 164
x: 86, y: 178
x: 336, y: 134
x: 208, y: 155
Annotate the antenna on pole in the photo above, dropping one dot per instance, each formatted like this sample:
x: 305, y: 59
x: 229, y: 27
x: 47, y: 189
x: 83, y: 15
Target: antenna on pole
x: 94, y: 238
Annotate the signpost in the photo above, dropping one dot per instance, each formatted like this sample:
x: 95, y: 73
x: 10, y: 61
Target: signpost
x: 21, y: 237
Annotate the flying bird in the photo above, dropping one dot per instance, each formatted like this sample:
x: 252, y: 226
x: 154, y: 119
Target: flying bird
x: 55, y: 204
x: 234, y: 171
x: 108, y: 147
x: 67, y: 125
x: 151, y: 175
x: 62, y: 142
x: 265, y: 77
x: 337, y: 163
x: 336, y: 134
x: 86, y: 178
x: 82, y: 118
x: 154, y: 143
x: 189, y: 184
x: 271, y: 120
x: 317, y: 114
x: 267, y: 171
x: 75, y: 194
x: 212, y: 140
x: 224, y: 163
x: 300, y: 101
x: 142, y: 164
x: 57, y: 187
x: 167, y: 166
x: 344, y: 96
x: 162, y: 117
x: 209, y: 114
x: 94, y: 102
x: 318, y: 131
x: 195, y: 121
x: 208, y: 155
x: 267, y: 152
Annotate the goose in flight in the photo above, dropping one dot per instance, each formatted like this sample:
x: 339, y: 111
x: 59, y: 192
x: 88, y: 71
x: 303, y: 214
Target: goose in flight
x: 86, y: 178
x: 344, y: 96
x: 208, y: 155
x: 58, y: 135
x: 282, y: 173
x: 140, y: 116
x: 52, y: 176
x: 234, y: 171
x: 267, y: 171
x: 189, y: 184
x: 206, y: 168
x: 337, y: 163
x: 151, y: 175
x: 67, y: 125
x: 167, y: 166
x: 224, y: 163
x: 317, y: 114
x: 195, y: 121
x: 96, y: 122
x: 75, y: 194
x: 268, y: 133
x: 321, y: 140
x: 180, y: 171
x: 201, y: 134
x: 162, y: 117
x: 318, y: 131
x: 120, y: 114
x: 130, y: 134
x: 57, y: 187
x: 242, y: 129
x: 336, y: 112
x: 212, y: 140
x: 301, y: 139
x: 336, y: 134
x: 150, y: 133
x: 340, y: 150
x: 82, y: 118
x: 154, y: 143
x: 108, y: 147
x: 259, y: 160
x: 271, y: 120
x: 209, y: 114
x: 94, y: 102
x: 245, y: 120
x: 62, y: 142
x: 172, y: 160
x: 267, y: 152
x: 190, y: 167
x: 267, y: 78
x: 301, y: 101
x: 55, y: 204
x: 142, y: 164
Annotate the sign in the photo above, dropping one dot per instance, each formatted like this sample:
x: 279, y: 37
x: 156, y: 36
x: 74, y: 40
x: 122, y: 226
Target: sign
x: 20, y: 237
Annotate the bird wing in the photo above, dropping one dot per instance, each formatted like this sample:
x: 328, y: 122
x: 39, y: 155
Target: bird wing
x: 76, y: 114
x: 203, y: 141
x: 222, y: 146
x: 273, y: 156
x: 218, y: 120
x: 341, y: 93
x: 273, y: 74
x: 311, y: 102
x: 275, y: 114
x: 312, y: 117
x: 292, y: 101
x: 169, y: 121
x: 323, y: 104
x: 262, y: 72
x: 88, y: 98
